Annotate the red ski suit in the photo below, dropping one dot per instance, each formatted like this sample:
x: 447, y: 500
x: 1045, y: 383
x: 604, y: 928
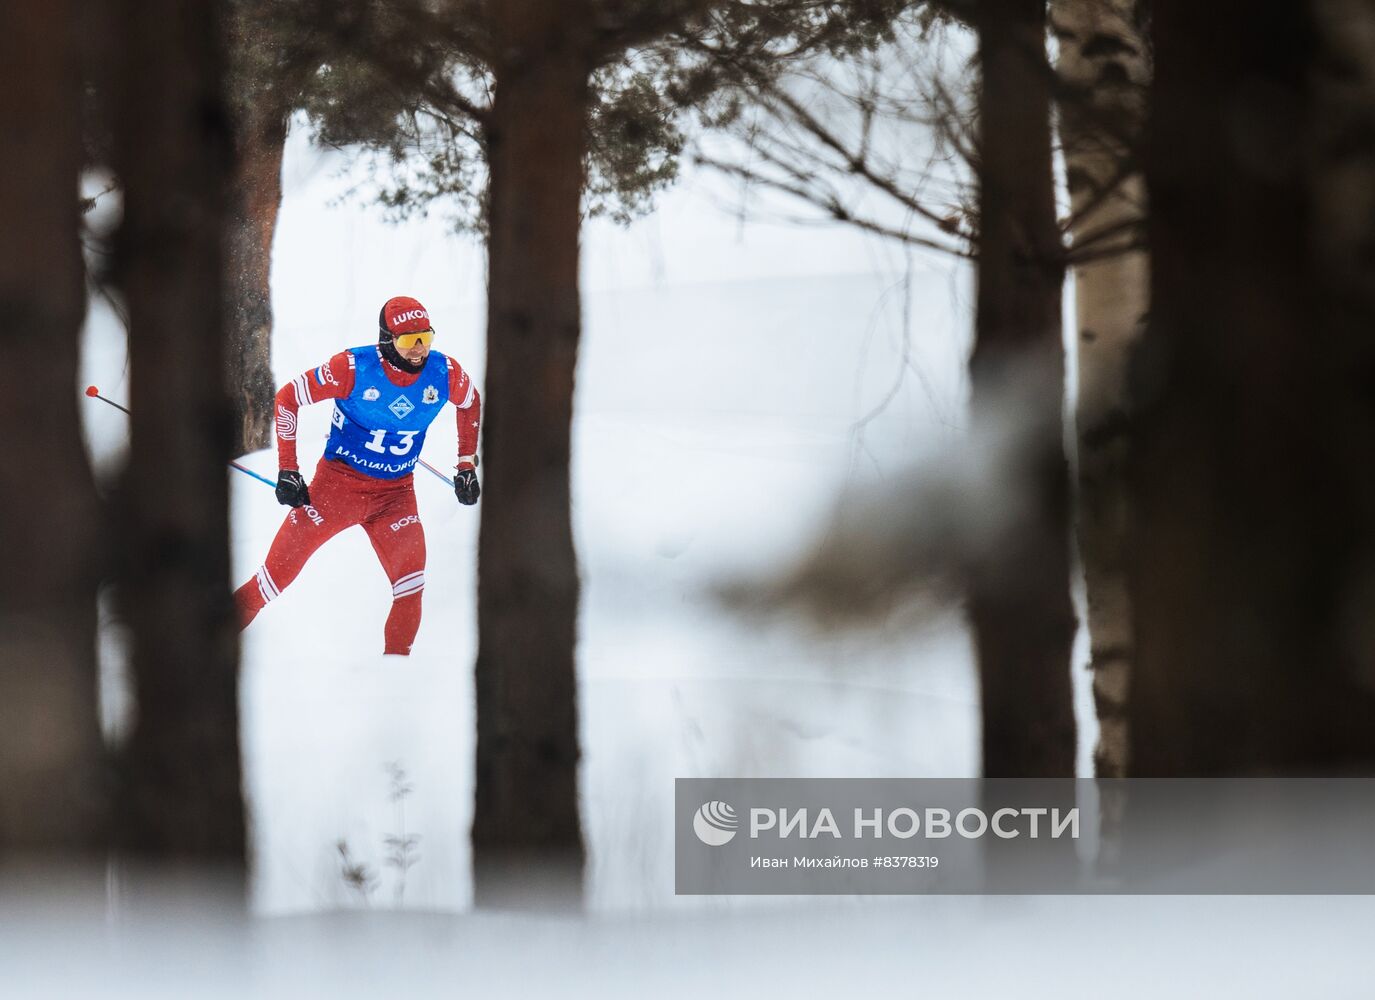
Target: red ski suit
x: 341, y: 497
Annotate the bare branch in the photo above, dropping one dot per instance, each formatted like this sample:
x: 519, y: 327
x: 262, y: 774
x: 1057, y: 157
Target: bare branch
x: 1091, y: 248
x: 831, y: 205
x: 855, y: 163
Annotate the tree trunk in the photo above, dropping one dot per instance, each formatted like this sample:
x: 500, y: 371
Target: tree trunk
x: 1252, y: 564
x: 526, y: 816
x: 1019, y: 599
x: 51, y: 756
x: 1103, y: 65
x: 255, y: 199
x: 181, y: 792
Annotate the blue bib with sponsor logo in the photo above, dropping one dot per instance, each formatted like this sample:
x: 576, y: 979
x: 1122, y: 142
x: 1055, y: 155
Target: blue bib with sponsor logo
x: 380, y: 428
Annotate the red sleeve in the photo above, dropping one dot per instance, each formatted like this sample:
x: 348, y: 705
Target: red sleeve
x: 332, y: 380
x: 465, y: 396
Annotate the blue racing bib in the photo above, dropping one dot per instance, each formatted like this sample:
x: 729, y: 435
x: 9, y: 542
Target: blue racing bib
x: 380, y: 428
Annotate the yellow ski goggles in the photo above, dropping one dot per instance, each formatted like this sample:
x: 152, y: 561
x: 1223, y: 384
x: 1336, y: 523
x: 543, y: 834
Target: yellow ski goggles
x: 407, y: 341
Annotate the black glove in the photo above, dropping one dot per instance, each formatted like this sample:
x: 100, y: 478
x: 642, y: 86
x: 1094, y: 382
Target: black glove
x: 291, y: 489
x: 465, y: 486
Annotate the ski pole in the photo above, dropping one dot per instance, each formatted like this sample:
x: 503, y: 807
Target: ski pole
x: 94, y: 393
x: 437, y: 473
x: 250, y: 472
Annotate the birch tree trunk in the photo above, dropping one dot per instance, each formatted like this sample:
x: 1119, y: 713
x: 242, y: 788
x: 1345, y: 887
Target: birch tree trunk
x: 526, y: 821
x: 51, y: 756
x: 181, y: 791
x: 1103, y: 64
x: 1019, y: 597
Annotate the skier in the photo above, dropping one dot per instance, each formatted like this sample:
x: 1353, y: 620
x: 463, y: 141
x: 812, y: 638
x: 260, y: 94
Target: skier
x: 385, y: 397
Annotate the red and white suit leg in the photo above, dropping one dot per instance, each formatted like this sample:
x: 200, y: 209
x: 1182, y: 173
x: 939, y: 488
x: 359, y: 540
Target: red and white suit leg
x: 335, y: 505
x: 399, y: 540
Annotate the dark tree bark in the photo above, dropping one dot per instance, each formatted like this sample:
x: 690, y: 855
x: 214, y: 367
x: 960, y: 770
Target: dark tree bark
x: 255, y: 199
x: 526, y: 820
x: 51, y: 789
x: 181, y: 790
x: 1252, y: 568
x: 1018, y: 597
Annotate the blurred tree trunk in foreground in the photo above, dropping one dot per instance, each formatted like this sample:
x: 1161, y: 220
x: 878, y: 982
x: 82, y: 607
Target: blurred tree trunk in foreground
x: 181, y: 792
x: 1104, y: 69
x: 527, y: 837
x: 1251, y: 480
x: 1019, y: 599
x: 51, y: 755
x: 527, y: 735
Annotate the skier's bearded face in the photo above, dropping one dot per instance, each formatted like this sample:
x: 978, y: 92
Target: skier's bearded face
x: 407, y: 351
x: 415, y: 354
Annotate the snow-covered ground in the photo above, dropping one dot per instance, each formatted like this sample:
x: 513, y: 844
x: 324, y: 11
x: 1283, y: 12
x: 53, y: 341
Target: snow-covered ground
x: 1087, y: 948
x: 736, y: 380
